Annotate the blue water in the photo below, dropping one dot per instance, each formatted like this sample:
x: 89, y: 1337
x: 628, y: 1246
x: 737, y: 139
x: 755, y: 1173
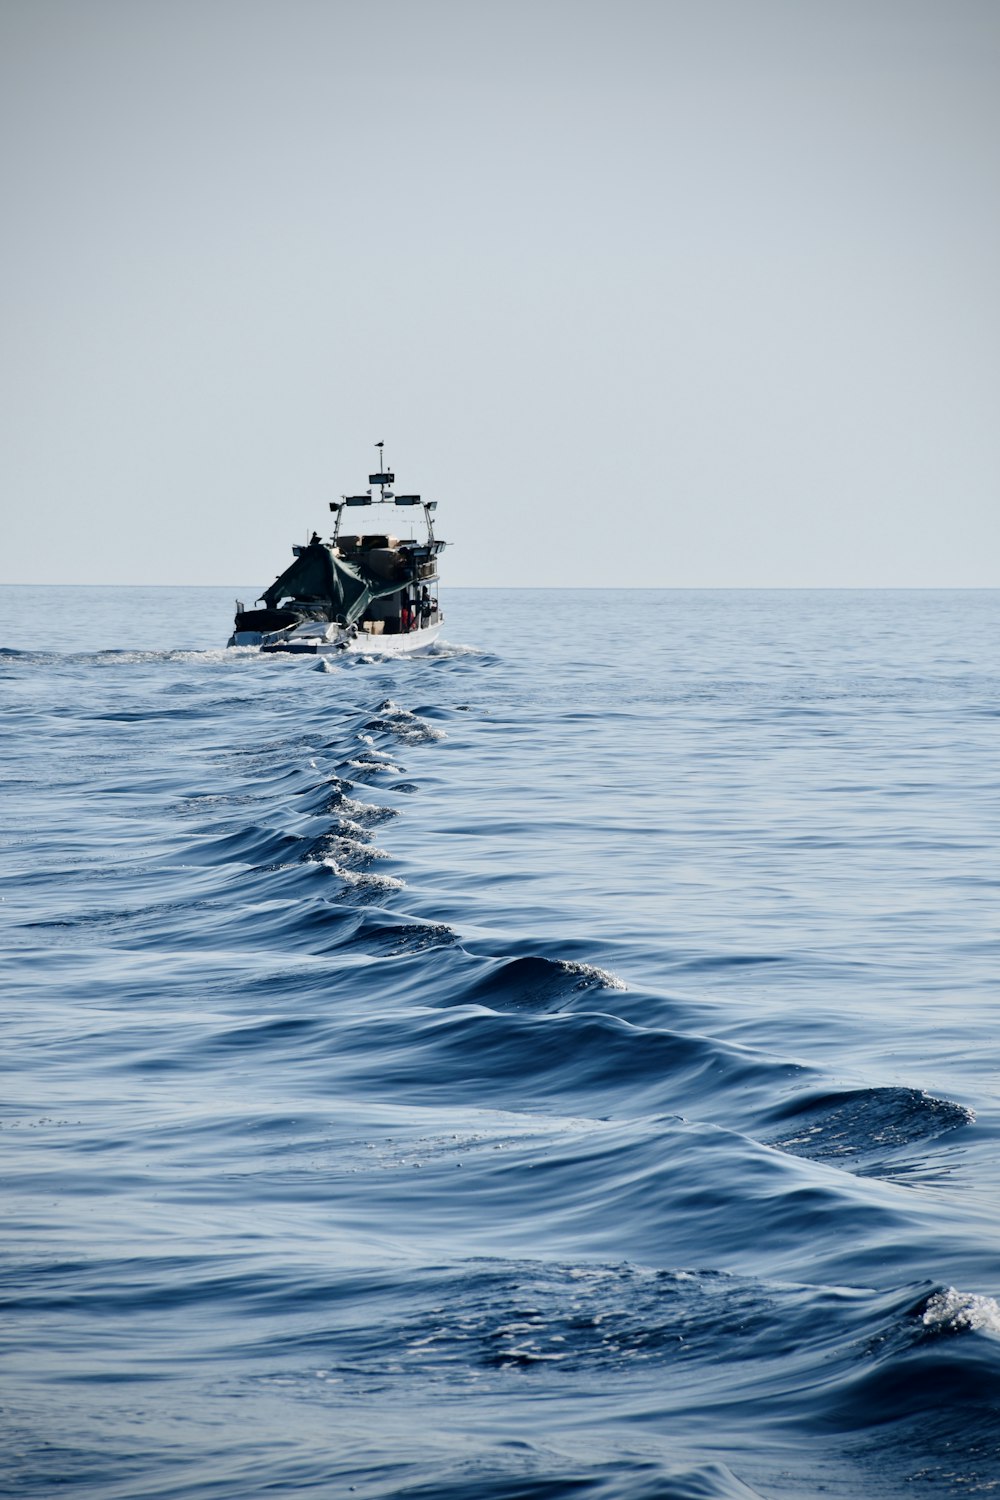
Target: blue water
x: 563, y: 1066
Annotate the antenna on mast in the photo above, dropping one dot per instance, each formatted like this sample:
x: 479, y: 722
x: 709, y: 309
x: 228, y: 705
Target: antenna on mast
x: 383, y: 477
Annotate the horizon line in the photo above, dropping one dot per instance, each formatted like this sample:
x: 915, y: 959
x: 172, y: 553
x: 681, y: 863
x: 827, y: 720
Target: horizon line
x: 634, y: 588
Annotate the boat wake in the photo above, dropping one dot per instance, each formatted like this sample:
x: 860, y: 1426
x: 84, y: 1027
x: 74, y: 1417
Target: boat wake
x: 305, y: 1140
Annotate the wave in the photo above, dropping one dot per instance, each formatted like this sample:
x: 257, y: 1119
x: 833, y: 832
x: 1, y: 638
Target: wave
x: 864, y: 1128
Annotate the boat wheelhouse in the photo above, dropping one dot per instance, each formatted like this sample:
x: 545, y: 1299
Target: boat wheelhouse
x: 360, y: 591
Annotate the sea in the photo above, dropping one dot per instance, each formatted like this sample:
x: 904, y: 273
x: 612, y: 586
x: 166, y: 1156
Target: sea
x: 562, y: 1067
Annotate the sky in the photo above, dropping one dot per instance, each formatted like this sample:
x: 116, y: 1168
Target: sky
x: 664, y: 293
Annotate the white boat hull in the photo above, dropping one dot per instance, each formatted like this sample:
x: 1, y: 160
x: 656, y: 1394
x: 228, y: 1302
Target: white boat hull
x: 411, y: 644
x: 321, y: 640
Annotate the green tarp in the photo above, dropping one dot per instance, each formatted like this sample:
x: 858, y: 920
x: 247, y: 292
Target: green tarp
x: 318, y: 577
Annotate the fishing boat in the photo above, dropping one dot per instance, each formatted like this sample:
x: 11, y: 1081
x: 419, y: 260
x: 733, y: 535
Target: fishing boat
x: 363, y: 592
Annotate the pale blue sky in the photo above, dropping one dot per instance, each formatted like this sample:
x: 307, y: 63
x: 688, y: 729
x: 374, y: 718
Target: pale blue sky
x: 698, y: 292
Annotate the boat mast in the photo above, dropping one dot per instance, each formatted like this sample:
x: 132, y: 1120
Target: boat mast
x: 383, y: 478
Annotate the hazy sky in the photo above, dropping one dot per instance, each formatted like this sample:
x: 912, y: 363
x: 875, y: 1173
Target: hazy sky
x: 696, y: 292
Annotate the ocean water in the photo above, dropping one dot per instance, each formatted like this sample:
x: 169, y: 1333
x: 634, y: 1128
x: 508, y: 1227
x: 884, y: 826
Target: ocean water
x: 562, y: 1066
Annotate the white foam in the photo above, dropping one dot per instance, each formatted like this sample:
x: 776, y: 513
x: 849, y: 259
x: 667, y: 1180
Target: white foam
x: 350, y: 805
x: 367, y: 812
x: 349, y: 848
x: 406, y: 725
x: 444, y: 648
x: 958, y: 1312
x: 349, y: 828
x: 364, y: 877
x: 603, y: 977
